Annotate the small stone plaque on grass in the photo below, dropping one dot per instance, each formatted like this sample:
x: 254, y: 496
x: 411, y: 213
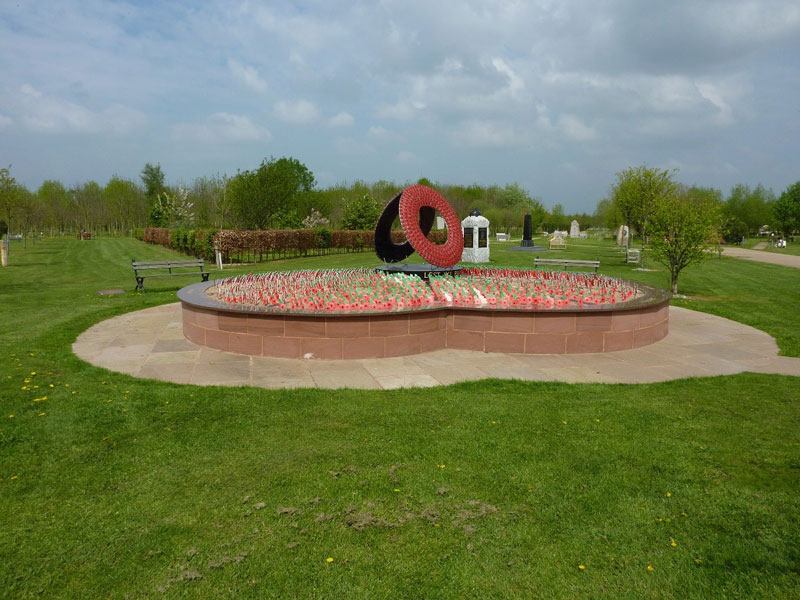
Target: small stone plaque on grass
x: 110, y: 292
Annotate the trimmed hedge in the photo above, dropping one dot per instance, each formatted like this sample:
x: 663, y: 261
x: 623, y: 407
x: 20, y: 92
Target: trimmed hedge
x: 259, y: 245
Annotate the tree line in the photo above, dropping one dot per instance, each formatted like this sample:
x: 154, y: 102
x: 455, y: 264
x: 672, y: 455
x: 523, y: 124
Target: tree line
x: 282, y: 193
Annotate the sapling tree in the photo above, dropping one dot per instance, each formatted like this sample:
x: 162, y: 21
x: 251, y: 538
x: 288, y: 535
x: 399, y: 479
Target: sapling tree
x: 637, y: 191
x: 684, y: 228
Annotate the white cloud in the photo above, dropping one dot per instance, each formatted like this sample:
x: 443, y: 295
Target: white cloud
x: 353, y: 147
x: 42, y: 113
x: 376, y: 132
x: 405, y: 157
x: 299, y: 112
x: 486, y: 134
x: 515, y: 83
x: 5, y: 121
x: 222, y: 127
x: 247, y: 76
x: 342, y: 119
x: 575, y: 129
x: 402, y: 110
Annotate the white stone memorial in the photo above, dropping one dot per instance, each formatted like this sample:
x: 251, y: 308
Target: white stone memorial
x: 476, y: 238
x: 574, y: 229
x: 622, y: 235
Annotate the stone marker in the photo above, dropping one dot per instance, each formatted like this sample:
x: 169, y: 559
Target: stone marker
x: 527, y: 231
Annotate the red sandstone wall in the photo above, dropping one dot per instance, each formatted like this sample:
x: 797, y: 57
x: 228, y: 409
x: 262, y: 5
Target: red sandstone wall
x: 401, y: 334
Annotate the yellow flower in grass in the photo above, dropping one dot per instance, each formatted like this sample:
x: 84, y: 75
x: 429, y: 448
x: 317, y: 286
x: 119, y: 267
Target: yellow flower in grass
x: 329, y: 559
x: 673, y: 543
x: 582, y: 567
x: 650, y: 567
x: 42, y: 414
x: 669, y: 495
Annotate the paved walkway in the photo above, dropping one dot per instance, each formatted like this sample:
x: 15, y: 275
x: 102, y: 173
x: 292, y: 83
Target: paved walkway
x: 149, y: 343
x: 775, y: 258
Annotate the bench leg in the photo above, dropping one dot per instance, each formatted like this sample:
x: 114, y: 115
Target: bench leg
x: 140, y: 284
x: 204, y: 276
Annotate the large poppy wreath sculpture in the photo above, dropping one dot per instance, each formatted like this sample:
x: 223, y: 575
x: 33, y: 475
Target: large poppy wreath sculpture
x: 416, y: 207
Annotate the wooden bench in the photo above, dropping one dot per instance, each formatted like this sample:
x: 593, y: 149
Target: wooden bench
x: 633, y: 255
x: 173, y: 268
x: 566, y: 263
x: 559, y: 243
x: 503, y: 237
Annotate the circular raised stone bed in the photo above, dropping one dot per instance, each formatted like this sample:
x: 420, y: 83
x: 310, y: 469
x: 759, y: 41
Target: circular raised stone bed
x: 260, y: 331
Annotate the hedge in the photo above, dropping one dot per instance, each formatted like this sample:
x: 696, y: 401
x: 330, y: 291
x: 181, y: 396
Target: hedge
x: 259, y: 245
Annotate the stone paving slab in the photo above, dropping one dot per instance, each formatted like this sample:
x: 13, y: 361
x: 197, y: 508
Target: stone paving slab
x: 147, y: 344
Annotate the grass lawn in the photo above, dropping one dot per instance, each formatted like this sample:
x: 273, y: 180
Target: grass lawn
x: 117, y: 487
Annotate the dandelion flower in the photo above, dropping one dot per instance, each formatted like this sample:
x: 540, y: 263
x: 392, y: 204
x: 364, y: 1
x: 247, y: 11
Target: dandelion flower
x: 563, y: 422
x: 698, y: 560
x: 329, y: 559
x: 673, y: 543
x: 582, y: 567
x: 650, y: 567
x: 10, y: 416
x: 13, y: 477
x: 669, y: 495
x: 41, y: 414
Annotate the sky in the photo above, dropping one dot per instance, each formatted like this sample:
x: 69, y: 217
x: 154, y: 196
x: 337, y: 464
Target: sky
x: 556, y: 95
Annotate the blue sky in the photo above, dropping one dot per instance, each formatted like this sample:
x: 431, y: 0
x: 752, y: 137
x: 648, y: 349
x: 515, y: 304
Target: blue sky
x: 555, y: 95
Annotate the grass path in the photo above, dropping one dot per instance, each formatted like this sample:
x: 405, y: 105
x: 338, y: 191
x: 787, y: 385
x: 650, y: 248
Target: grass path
x: 126, y: 488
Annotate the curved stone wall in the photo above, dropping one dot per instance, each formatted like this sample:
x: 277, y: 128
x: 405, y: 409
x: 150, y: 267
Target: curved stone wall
x: 207, y: 322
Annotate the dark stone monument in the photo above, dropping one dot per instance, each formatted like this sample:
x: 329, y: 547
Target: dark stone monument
x: 527, y: 231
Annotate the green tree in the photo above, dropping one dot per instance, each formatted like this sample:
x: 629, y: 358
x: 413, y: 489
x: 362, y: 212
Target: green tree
x: 87, y: 198
x: 126, y: 204
x: 58, y: 204
x: 637, y: 191
x: 275, y: 188
x: 786, y: 209
x: 153, y: 180
x: 684, y: 226
x: 753, y: 207
x: 9, y: 195
x: 360, y: 213
x: 557, y: 218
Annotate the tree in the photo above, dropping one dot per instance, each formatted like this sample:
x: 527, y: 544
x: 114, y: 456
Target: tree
x: 753, y: 207
x: 9, y: 195
x: 637, y: 191
x: 274, y: 189
x: 606, y: 214
x: 684, y: 226
x: 87, y: 198
x: 558, y: 219
x: 58, y: 203
x: 153, y: 180
x: 360, y: 213
x: 172, y: 209
x: 126, y: 204
x: 786, y: 209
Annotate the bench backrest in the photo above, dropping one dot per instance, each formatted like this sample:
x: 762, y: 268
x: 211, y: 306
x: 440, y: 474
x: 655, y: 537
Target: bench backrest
x: 167, y: 264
